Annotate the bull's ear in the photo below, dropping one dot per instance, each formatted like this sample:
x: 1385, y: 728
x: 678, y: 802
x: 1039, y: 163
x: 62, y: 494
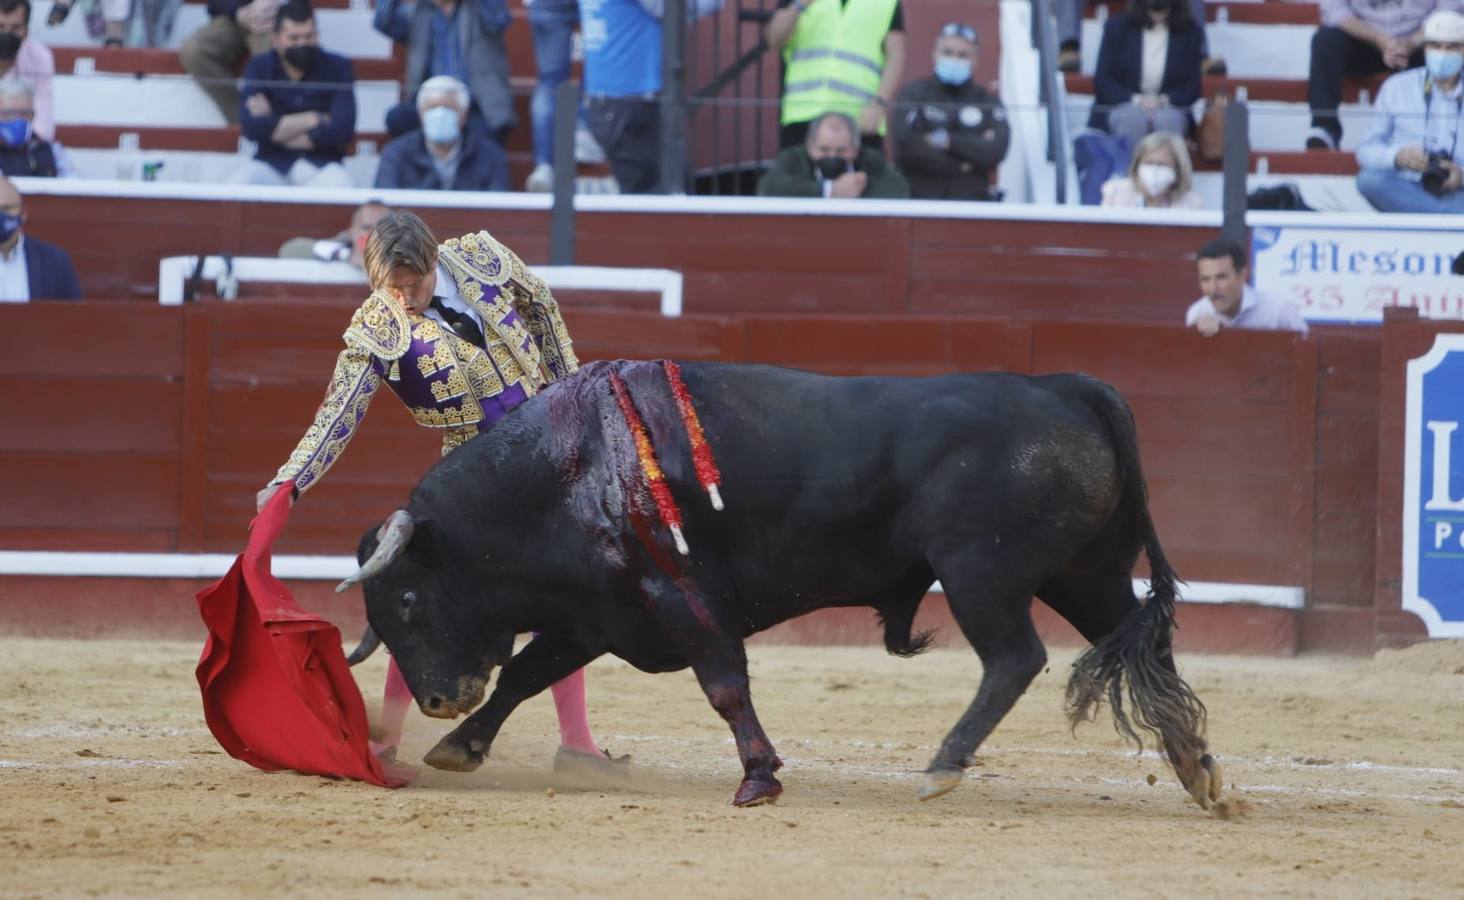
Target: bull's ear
x: 423, y: 545
x: 368, y: 543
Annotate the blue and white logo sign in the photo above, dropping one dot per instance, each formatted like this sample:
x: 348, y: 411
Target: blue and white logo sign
x: 1433, y: 492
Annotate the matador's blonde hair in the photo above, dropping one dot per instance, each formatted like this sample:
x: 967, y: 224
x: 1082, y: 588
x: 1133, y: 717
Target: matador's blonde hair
x: 399, y: 240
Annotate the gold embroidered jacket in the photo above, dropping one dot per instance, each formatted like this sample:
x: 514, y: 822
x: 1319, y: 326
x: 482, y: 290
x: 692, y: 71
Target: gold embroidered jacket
x: 446, y: 382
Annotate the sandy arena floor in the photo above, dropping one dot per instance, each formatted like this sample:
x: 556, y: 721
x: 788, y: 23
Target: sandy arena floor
x: 111, y: 785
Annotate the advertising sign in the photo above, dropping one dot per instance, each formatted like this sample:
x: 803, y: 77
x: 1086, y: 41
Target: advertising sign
x: 1353, y: 274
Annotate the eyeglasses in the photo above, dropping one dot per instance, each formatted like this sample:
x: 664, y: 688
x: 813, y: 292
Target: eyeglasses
x: 956, y: 29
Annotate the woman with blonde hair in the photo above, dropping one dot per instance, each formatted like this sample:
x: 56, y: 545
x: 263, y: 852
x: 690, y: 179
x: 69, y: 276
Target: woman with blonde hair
x: 1160, y: 175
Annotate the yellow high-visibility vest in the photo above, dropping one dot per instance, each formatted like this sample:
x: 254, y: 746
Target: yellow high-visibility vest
x: 835, y: 58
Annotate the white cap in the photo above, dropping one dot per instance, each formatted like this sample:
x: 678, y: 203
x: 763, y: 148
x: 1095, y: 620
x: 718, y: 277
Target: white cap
x: 1445, y: 27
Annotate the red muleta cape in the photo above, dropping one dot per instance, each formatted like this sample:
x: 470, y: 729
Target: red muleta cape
x: 277, y: 692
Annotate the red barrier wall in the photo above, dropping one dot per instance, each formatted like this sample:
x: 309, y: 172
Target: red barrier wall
x: 734, y: 264
x: 145, y: 428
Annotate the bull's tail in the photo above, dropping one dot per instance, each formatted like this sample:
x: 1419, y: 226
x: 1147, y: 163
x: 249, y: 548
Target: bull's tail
x: 1136, y: 659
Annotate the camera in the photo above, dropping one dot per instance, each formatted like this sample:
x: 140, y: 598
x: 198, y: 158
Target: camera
x: 1435, y: 174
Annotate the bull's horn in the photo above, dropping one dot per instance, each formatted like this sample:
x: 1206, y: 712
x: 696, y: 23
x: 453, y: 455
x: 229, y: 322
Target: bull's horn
x: 393, y: 536
x: 368, y: 645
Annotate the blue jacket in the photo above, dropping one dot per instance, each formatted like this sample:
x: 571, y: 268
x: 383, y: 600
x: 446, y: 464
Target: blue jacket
x: 265, y: 75
x: 407, y: 163
x: 1116, y: 79
x: 49, y: 270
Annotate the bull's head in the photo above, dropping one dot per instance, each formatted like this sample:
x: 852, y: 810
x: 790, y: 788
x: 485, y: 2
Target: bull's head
x: 422, y: 606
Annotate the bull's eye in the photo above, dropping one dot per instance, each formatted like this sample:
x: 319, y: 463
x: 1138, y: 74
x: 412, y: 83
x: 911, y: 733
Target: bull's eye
x: 408, y: 599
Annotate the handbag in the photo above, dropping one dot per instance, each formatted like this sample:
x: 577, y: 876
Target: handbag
x: 1210, y: 136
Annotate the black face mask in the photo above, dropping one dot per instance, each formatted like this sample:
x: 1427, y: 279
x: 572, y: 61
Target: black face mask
x: 831, y: 167
x: 9, y: 45
x: 302, y: 58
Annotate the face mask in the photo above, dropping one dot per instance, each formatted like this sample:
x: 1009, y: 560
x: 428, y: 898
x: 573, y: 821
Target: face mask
x: 831, y: 167
x: 9, y: 225
x: 952, y: 70
x: 440, y: 124
x: 9, y: 45
x: 301, y: 58
x: 1443, y: 63
x: 1155, y: 178
x: 15, y: 132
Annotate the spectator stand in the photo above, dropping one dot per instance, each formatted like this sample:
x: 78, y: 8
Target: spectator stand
x: 123, y: 111
x: 1266, y: 46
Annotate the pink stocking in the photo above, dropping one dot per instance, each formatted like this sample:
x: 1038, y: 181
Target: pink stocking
x: 395, y: 702
x: 574, y: 723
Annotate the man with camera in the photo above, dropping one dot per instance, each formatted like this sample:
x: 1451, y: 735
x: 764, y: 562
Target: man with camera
x: 1408, y: 160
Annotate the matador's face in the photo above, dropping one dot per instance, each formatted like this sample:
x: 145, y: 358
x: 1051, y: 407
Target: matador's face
x: 413, y: 290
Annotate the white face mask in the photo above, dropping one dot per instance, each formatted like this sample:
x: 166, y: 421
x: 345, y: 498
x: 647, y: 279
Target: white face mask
x: 440, y: 124
x: 1156, y: 178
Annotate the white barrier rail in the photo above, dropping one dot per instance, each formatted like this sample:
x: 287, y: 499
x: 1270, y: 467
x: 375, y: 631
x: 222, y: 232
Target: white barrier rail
x: 335, y: 568
x: 175, y: 271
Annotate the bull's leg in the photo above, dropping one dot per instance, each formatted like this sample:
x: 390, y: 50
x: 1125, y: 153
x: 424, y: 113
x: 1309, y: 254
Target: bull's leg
x: 1097, y: 605
x: 996, y: 617
x: 719, y: 659
x: 722, y: 675
x: 543, y: 662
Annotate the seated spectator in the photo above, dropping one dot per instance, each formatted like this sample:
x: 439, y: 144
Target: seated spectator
x: 1359, y: 38
x: 348, y: 246
x: 622, y: 81
x: 462, y: 39
x: 30, y: 268
x: 449, y: 152
x: 1408, y: 159
x: 844, y: 56
x: 1148, y: 73
x: 299, y: 107
x: 1159, y: 176
x: 235, y: 31
x: 1229, y: 302
x: 950, y: 133
x: 28, y: 59
x: 22, y: 151
x: 832, y: 163
x: 1070, y: 27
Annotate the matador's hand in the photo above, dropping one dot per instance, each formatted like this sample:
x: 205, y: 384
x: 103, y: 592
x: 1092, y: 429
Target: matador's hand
x: 263, y: 497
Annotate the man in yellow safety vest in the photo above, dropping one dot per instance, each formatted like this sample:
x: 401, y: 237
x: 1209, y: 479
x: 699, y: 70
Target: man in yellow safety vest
x: 843, y: 56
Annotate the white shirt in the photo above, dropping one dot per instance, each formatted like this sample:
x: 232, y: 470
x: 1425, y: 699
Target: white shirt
x: 15, y: 275
x: 1398, y: 121
x: 1257, y: 310
x: 1152, y: 57
x: 447, y: 289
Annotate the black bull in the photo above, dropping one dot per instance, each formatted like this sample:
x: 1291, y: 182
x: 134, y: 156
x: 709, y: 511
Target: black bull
x: 839, y: 492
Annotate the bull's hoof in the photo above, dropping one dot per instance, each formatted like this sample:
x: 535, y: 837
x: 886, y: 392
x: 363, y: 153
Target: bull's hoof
x: 453, y: 755
x: 940, y: 781
x: 757, y: 791
x: 1206, y: 782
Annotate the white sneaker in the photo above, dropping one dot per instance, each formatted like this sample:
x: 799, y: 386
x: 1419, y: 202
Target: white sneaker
x: 541, y: 180
x: 586, y: 148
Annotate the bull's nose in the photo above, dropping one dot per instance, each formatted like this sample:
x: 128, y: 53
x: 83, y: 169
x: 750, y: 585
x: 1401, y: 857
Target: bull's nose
x: 436, y: 703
